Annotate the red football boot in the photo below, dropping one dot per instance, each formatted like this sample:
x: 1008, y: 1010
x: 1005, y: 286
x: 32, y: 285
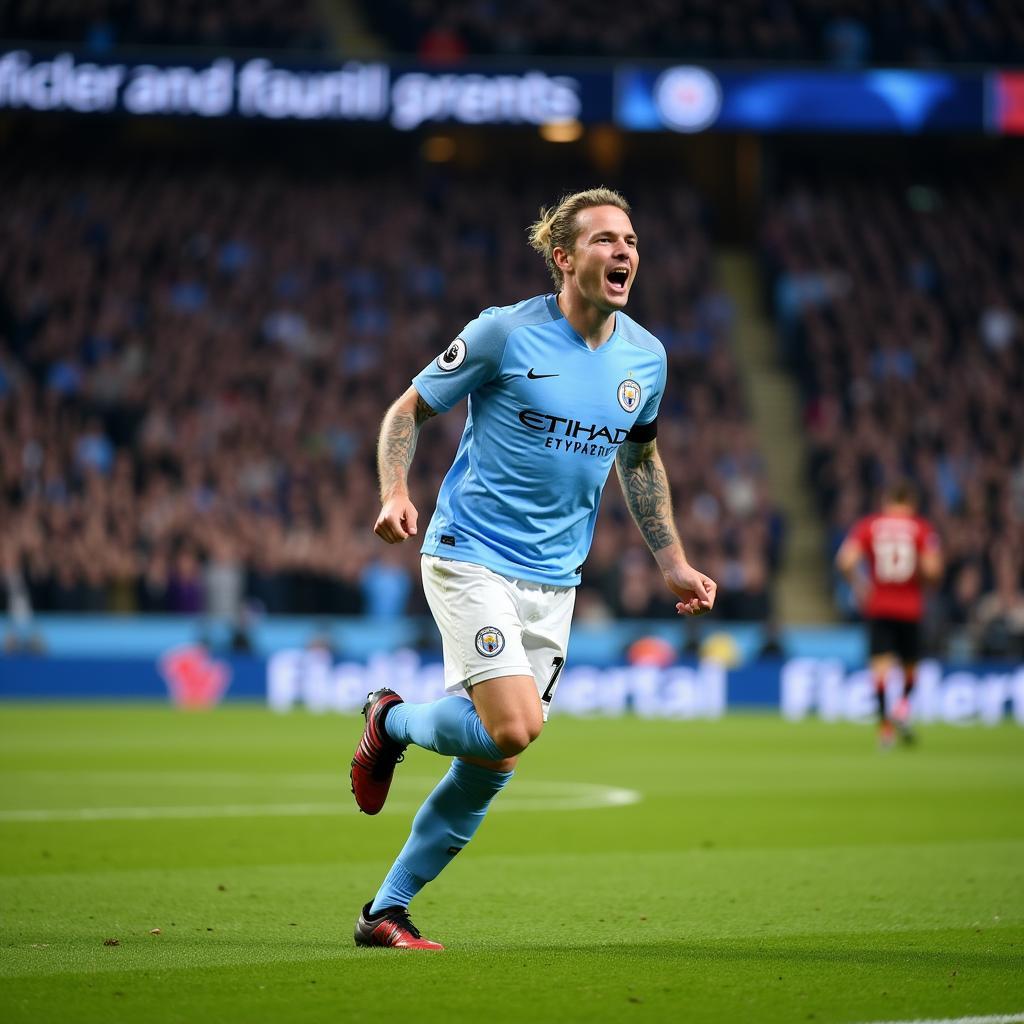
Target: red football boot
x: 373, y: 765
x: 390, y: 927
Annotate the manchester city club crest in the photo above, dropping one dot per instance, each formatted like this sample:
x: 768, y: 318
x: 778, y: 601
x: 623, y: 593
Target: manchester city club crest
x: 629, y: 395
x: 453, y: 356
x: 490, y: 642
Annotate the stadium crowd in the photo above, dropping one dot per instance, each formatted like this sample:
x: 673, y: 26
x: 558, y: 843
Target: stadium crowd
x: 900, y: 309
x: 194, y: 363
x: 848, y: 33
x: 102, y: 25
x: 843, y: 32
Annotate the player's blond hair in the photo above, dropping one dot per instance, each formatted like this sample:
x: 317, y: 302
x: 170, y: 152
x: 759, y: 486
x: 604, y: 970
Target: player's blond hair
x: 558, y: 227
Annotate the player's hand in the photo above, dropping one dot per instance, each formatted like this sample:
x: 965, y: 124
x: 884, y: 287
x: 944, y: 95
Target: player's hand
x: 397, y: 521
x: 695, y: 590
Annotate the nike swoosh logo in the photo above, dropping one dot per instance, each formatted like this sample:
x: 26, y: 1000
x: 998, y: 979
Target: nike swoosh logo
x: 539, y: 376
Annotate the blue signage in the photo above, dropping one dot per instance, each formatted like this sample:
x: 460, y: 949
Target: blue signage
x: 694, y: 99
x: 190, y: 676
x: 681, y: 98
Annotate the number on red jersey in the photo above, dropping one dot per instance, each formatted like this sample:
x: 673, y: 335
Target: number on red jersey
x: 895, y: 559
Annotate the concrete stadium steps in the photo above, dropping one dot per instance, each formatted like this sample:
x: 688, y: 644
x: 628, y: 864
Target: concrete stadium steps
x: 801, y: 589
x: 352, y: 37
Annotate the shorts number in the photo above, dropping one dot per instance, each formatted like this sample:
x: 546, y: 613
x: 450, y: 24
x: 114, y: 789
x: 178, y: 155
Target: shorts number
x: 556, y: 664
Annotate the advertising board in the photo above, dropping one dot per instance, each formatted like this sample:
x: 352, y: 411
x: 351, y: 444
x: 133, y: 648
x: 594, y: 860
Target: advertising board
x: 313, y: 679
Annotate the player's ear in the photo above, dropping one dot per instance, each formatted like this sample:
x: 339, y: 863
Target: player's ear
x: 562, y: 258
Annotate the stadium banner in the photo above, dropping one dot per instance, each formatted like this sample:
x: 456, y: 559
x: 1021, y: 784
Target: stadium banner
x: 682, y: 98
x: 694, y: 99
x: 314, y: 679
x: 257, y: 88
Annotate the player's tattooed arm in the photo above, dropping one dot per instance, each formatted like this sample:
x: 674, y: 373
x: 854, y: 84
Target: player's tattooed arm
x: 395, y: 449
x: 646, y: 490
x: 397, y: 443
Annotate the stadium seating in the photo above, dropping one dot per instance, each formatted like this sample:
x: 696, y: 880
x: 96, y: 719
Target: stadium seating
x: 844, y: 32
x: 899, y: 308
x: 101, y: 25
x: 193, y: 365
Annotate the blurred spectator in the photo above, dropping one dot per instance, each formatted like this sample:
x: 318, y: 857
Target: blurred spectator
x: 20, y: 635
x: 223, y: 580
x: 998, y: 621
x: 386, y: 586
x: 184, y: 586
x: 847, y: 41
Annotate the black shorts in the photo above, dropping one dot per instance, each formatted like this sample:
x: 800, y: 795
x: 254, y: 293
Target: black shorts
x: 895, y: 636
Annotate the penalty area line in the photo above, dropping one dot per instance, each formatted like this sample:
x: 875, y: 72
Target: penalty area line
x: 999, y: 1018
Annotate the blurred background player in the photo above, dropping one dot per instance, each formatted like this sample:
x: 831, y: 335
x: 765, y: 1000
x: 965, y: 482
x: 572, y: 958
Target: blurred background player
x: 889, y: 558
x: 562, y: 386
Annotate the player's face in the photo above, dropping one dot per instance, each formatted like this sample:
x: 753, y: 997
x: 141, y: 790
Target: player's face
x: 605, y: 259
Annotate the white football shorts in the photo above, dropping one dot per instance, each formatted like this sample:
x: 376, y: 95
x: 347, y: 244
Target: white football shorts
x: 493, y: 625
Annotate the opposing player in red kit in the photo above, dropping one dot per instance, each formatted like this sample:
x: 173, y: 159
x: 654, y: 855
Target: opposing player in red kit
x: 901, y: 553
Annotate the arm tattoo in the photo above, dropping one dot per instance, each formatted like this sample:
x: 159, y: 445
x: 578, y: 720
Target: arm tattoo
x: 397, y: 445
x: 645, y: 488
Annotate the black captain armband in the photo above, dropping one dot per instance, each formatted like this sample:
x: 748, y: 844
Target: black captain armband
x: 644, y: 432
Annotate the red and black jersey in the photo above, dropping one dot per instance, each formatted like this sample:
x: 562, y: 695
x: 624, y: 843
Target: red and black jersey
x: 893, y: 543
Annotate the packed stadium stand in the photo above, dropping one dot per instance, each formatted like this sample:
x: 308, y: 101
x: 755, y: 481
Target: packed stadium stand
x: 844, y: 32
x: 194, y: 362
x: 847, y: 33
x: 102, y: 25
x: 899, y: 309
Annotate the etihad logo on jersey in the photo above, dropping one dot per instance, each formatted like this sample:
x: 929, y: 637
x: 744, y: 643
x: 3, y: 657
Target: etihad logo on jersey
x: 572, y: 436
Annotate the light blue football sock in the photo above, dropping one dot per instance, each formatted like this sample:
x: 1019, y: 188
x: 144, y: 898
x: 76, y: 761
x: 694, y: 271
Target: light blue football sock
x: 443, y: 825
x: 449, y: 726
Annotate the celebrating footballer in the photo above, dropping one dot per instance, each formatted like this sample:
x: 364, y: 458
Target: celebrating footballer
x: 560, y: 386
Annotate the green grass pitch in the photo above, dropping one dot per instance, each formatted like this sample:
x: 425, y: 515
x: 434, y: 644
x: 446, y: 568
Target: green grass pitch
x: 742, y: 870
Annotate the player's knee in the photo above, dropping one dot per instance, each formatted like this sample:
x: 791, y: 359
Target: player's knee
x: 515, y: 735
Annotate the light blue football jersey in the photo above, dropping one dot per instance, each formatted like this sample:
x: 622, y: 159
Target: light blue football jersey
x: 546, y: 416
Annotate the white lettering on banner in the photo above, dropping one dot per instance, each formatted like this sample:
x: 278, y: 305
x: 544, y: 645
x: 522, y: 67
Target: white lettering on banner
x: 310, y: 679
x: 58, y: 84
x: 300, y: 678
x: 822, y: 686
x: 531, y: 98
x: 355, y: 92
x: 208, y: 92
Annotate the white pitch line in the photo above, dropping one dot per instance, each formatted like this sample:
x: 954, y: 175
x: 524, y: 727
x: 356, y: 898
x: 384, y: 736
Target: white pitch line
x: 999, y: 1018
x: 589, y: 797
x: 153, y: 813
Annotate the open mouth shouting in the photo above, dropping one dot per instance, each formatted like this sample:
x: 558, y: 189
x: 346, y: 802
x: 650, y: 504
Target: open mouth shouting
x: 618, y: 280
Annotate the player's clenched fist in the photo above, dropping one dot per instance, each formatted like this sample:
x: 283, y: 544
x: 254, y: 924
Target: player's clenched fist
x: 397, y: 520
x: 697, y: 591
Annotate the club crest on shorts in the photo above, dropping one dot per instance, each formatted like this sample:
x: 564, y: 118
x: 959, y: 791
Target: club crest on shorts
x: 453, y: 356
x: 629, y: 395
x: 490, y: 642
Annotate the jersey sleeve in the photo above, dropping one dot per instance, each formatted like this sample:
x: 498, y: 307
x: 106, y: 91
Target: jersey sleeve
x: 649, y: 412
x: 860, y: 533
x: 469, y: 362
